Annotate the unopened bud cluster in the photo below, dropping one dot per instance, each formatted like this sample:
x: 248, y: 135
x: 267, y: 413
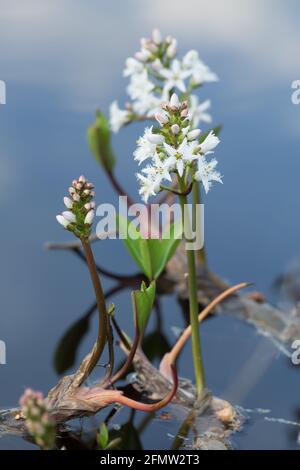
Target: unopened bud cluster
x: 39, y: 423
x: 79, y: 216
x: 157, y: 49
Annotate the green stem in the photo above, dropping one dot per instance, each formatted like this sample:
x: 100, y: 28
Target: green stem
x: 193, y: 299
x: 100, y: 299
x: 201, y: 255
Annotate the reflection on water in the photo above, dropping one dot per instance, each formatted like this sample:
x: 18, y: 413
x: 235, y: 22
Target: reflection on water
x: 251, y: 225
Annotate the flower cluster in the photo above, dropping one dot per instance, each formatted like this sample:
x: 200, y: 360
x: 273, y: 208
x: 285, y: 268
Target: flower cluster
x: 155, y: 72
x: 175, y: 147
x: 39, y: 423
x: 81, y: 208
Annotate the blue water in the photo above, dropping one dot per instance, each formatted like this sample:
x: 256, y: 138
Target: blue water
x: 62, y: 61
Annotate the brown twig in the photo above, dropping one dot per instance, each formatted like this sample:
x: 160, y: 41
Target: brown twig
x: 173, y: 354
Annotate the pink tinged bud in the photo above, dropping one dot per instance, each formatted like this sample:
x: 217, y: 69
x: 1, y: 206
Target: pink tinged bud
x: 172, y: 49
x: 68, y: 202
x: 76, y: 197
x: 162, y: 119
x: 93, y: 194
x: 71, y: 191
x: 62, y: 221
x: 194, y: 134
x: 174, y: 101
x: 89, y: 186
x: 156, y: 36
x: 155, y: 139
x: 184, y: 113
x: 74, y: 182
x: 142, y: 55
x: 175, y: 129
x: 93, y: 204
x: 87, y: 206
x: 68, y: 215
x: 152, y: 47
x: 157, y: 65
x: 78, y: 186
x: 89, y: 217
x: 86, y: 192
x: 81, y: 179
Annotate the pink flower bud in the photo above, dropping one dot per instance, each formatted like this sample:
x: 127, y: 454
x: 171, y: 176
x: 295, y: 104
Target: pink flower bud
x: 156, y: 36
x: 161, y: 118
x: 175, y: 129
x: 142, y: 55
x: 81, y: 179
x: 76, y: 197
x: 68, y: 202
x: 172, y: 49
x: 174, y: 101
x: 184, y: 113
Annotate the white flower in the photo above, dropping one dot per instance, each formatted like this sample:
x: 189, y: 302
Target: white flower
x: 181, y: 156
x: 62, y: 221
x: 198, y: 111
x: 175, y: 76
x: 117, y: 117
x: 206, y: 173
x: 153, y: 175
x: 200, y: 72
x: 148, y: 104
x: 209, y: 143
x: 145, y: 148
x: 139, y: 85
x: 148, y: 187
x: 133, y: 67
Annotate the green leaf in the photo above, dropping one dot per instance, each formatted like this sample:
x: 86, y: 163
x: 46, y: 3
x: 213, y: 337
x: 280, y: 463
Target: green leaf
x: 99, y: 141
x: 102, y: 437
x: 162, y: 250
x: 135, y: 244
x: 151, y: 255
x: 142, y: 304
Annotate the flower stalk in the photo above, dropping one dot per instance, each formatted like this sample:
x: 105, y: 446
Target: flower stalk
x: 193, y: 298
x: 79, y: 220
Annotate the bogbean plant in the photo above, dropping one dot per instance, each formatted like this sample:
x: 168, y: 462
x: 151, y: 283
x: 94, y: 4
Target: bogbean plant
x: 177, y: 159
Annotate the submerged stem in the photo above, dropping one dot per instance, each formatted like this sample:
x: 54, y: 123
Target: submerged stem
x: 100, y: 299
x: 193, y: 299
